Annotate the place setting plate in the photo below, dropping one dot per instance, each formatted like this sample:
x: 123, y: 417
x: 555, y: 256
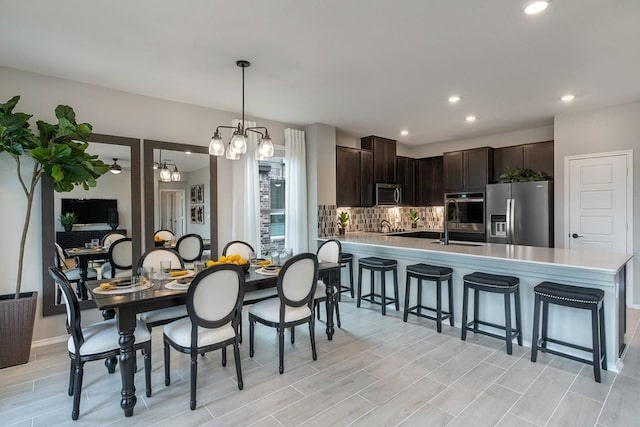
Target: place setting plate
x: 121, y: 286
x: 180, y: 284
x: 268, y: 270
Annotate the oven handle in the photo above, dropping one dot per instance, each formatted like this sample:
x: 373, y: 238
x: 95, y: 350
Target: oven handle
x: 458, y: 200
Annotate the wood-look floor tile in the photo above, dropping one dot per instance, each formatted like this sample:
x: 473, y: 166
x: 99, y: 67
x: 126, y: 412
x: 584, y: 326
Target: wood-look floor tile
x: 186, y: 418
x: 447, y: 348
x: 586, y: 385
x: 427, y: 415
x: 267, y: 422
x: 402, y: 405
x: 460, y: 364
x: 464, y: 391
x: 341, y: 414
x: 522, y: 374
x: 510, y: 420
x: 396, y: 360
x: 487, y: 409
x: 575, y: 410
x: 540, y: 400
x: 621, y: 407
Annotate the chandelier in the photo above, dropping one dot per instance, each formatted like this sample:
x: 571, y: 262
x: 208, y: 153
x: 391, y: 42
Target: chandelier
x: 238, y: 143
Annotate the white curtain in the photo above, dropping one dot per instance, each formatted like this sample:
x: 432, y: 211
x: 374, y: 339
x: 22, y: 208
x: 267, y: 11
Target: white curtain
x: 245, y: 196
x: 295, y: 226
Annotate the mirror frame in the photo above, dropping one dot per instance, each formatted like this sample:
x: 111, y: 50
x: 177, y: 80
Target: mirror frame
x: 49, y: 307
x: 148, y: 147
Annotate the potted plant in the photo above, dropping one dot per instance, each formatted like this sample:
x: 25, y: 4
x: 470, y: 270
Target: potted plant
x: 521, y: 175
x: 57, y: 151
x: 67, y: 220
x: 343, y: 219
x: 413, y: 216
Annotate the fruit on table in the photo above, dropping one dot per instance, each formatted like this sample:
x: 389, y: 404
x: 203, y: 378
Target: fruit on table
x: 228, y: 259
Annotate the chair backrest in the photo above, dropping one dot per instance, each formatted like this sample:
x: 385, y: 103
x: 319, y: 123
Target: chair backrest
x: 238, y: 247
x: 72, y: 305
x: 215, y: 298
x: 59, y: 257
x: 190, y: 247
x: 164, y: 235
x: 297, y: 281
x: 121, y: 254
x: 329, y: 251
x: 111, y: 237
x: 151, y: 259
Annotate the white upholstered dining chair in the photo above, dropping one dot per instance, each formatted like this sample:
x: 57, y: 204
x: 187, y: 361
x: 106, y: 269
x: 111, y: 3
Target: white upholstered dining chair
x: 190, y: 248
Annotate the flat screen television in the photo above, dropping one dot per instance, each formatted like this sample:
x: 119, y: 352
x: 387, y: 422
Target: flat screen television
x: 90, y: 211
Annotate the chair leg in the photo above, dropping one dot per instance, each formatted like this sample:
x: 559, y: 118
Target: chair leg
x: 518, y: 316
x: 419, y: 297
x: 167, y: 361
x: 595, y: 334
x: 359, y: 286
x: 465, y: 308
x: 224, y: 356
x: 240, y: 331
x: 545, y: 323
x: 236, y: 358
x: 316, y: 305
x: 312, y: 337
x: 194, y: 380
x: 77, y: 392
x: 351, y: 276
x: 146, y: 351
x: 72, y: 377
x: 476, y: 308
x: 603, y: 340
x: 293, y: 335
x: 396, y: 294
x: 439, y: 305
x: 281, y: 348
x: 450, y: 296
x: 407, y: 291
x: 383, y: 292
x: 337, y: 306
x: 251, y: 326
x: 536, y: 327
x: 507, y: 323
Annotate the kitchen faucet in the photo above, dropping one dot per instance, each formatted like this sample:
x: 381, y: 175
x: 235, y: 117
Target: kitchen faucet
x: 445, y: 239
x: 384, y: 223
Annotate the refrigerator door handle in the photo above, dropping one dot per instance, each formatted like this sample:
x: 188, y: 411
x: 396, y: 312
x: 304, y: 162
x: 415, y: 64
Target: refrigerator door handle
x: 508, y: 221
x: 512, y: 213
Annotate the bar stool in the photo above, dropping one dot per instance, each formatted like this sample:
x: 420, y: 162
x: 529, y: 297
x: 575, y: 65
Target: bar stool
x: 577, y: 297
x: 347, y: 259
x: 493, y: 283
x: 383, y: 265
x: 435, y: 274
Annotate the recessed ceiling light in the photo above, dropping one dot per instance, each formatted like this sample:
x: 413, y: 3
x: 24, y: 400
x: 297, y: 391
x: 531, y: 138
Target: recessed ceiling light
x: 535, y: 7
x: 470, y: 118
x: 404, y: 132
x: 567, y: 98
x: 454, y: 98
x: 187, y: 152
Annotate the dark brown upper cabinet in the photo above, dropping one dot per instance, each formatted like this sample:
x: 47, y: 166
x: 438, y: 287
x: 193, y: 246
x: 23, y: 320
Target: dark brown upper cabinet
x: 384, y: 158
x: 536, y: 156
x: 406, y: 173
x: 468, y: 170
x: 429, y: 181
x: 354, y: 177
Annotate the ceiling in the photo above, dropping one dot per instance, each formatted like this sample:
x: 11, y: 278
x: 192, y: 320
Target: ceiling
x: 363, y: 66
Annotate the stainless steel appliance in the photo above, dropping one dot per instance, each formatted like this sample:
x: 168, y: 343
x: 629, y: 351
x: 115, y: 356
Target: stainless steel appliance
x: 465, y: 212
x: 520, y: 213
x: 388, y: 194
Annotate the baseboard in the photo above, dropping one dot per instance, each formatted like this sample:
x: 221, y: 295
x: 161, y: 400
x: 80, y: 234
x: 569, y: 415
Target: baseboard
x: 635, y: 306
x: 49, y: 341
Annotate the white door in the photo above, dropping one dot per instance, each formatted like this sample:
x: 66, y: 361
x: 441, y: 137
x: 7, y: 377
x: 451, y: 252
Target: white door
x: 172, y: 211
x: 599, y: 202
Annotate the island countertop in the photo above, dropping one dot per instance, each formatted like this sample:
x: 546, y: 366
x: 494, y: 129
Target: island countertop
x: 527, y: 254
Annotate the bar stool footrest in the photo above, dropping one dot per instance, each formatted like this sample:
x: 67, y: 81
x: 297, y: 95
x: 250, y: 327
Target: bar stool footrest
x: 471, y: 328
x: 371, y: 298
x: 413, y: 310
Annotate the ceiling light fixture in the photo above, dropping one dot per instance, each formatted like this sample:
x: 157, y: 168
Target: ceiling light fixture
x: 535, y: 7
x: 454, y: 99
x: 175, y: 175
x: 567, y: 98
x: 470, y: 119
x: 238, y: 143
x: 404, y: 132
x: 115, y: 167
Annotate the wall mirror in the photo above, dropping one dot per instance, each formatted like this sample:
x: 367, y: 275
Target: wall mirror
x: 180, y: 192
x: 113, y: 205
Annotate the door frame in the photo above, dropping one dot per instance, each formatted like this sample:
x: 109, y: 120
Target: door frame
x: 184, y: 206
x: 567, y: 184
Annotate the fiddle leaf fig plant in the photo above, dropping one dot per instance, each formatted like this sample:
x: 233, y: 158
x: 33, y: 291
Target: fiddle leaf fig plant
x: 56, y: 150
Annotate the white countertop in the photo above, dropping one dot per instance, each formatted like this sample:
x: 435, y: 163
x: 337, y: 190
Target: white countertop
x: 528, y: 254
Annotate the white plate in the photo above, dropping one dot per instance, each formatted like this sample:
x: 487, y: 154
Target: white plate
x: 267, y: 272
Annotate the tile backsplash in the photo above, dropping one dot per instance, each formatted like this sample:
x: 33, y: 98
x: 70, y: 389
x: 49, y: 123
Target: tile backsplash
x: 368, y: 219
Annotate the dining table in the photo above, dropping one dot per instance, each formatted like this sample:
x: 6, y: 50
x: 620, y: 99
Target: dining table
x: 128, y: 305
x: 83, y: 256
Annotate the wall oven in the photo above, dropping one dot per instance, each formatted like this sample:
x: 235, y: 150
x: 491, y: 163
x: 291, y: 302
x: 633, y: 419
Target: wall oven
x: 465, y: 212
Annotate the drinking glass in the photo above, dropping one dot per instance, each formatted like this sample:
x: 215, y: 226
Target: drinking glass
x: 165, y: 268
x: 253, y: 259
x: 95, y: 243
x: 198, y: 266
x: 275, y: 258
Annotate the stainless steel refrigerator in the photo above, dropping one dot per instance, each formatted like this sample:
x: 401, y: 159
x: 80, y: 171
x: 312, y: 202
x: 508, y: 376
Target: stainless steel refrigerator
x: 520, y: 213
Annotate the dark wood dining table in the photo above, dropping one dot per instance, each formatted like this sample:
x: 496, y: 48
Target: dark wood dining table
x: 83, y: 256
x: 127, y: 306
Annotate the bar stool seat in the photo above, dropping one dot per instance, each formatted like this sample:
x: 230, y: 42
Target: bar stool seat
x: 493, y: 283
x: 432, y: 273
x: 347, y: 259
x: 383, y: 265
x: 577, y: 297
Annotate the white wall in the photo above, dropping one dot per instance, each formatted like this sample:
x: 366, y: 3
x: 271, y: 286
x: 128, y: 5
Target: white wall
x: 110, y: 112
x: 608, y: 129
x: 199, y: 176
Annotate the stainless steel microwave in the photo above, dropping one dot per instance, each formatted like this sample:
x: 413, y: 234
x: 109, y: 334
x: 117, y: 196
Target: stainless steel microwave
x: 388, y: 194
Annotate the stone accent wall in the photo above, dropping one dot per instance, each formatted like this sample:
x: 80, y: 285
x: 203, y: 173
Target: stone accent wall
x: 368, y: 219
x: 268, y: 244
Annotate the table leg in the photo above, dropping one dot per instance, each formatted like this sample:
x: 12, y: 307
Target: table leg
x: 83, y: 265
x: 126, y: 327
x: 330, y: 280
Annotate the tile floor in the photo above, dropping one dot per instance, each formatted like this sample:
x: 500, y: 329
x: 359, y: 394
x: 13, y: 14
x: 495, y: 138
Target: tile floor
x: 377, y: 371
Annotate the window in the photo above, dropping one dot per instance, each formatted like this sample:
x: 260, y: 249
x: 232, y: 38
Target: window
x: 272, y: 204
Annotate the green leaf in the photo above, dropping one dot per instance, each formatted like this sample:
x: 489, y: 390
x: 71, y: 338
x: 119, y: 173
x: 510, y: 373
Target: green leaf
x: 56, y: 173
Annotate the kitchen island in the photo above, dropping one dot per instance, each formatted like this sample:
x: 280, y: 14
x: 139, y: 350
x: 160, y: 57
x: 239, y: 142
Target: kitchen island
x: 531, y: 264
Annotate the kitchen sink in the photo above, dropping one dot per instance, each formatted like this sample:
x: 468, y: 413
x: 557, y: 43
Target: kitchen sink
x: 459, y: 244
